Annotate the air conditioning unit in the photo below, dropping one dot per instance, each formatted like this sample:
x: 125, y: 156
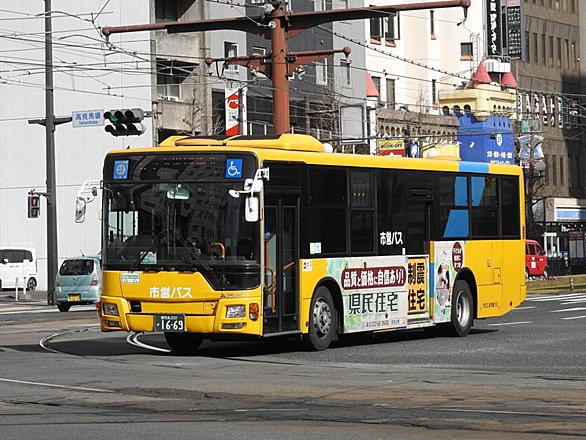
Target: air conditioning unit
x: 170, y: 98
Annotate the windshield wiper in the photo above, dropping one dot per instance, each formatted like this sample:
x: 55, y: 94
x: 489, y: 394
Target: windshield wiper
x: 194, y: 254
x: 142, y: 255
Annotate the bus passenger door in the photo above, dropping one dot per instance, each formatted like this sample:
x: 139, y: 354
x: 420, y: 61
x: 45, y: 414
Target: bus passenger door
x: 418, y: 231
x: 280, y: 289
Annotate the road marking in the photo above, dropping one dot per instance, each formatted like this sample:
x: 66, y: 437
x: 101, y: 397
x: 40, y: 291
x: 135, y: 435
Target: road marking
x: 16, y: 311
x: 574, y: 317
x: 132, y: 339
x: 53, y: 385
x: 524, y: 308
x: 574, y: 309
x: 494, y: 411
x: 558, y: 297
x: 270, y: 409
x: 43, y: 342
x: 511, y: 323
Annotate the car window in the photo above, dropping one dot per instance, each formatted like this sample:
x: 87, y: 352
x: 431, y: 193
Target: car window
x: 539, y: 251
x: 77, y: 267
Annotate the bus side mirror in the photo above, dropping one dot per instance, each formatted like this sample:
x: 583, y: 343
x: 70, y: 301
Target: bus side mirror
x: 251, y: 207
x: 80, y: 205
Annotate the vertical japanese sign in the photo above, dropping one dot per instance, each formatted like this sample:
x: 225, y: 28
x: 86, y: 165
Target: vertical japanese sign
x: 493, y: 27
x: 417, y: 278
x: 232, y: 111
x: 514, y: 33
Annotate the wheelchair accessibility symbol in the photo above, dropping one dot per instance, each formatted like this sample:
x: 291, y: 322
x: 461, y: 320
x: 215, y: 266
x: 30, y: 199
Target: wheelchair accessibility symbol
x: 233, y: 168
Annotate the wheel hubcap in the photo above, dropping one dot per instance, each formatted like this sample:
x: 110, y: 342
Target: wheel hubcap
x: 462, y: 309
x: 322, y: 317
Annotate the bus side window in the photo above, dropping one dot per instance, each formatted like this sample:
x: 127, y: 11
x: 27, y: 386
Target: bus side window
x: 391, y: 195
x: 453, y: 207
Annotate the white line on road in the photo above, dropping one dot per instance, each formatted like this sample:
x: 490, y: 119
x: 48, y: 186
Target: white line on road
x: 494, y: 411
x: 53, y: 385
x: 574, y: 317
x: 524, y: 308
x: 511, y: 323
x: 46, y: 310
x: 574, y: 309
x: 132, y: 339
x: 558, y: 297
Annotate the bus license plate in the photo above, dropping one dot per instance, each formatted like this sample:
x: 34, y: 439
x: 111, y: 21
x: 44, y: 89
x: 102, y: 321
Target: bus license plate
x: 170, y: 323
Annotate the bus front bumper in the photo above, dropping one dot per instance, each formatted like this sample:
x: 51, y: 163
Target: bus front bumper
x: 203, y: 317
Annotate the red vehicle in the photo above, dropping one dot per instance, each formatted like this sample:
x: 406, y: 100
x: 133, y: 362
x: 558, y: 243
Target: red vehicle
x: 535, y: 260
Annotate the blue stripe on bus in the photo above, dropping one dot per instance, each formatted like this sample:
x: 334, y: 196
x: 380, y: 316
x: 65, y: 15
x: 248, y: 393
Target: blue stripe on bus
x: 431, y: 280
x: 473, y: 167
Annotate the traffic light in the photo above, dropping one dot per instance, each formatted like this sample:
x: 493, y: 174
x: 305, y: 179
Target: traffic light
x: 34, y: 205
x: 125, y: 122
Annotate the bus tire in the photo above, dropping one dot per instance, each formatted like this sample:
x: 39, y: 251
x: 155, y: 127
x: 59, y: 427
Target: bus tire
x: 183, y: 342
x: 323, y: 319
x: 462, y: 315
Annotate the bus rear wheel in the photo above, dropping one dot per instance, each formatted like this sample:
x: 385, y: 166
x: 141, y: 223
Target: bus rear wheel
x: 462, y: 309
x: 323, y: 319
x: 183, y: 342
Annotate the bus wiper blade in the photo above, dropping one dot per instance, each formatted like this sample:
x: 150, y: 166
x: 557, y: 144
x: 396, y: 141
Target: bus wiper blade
x: 142, y: 255
x: 194, y: 254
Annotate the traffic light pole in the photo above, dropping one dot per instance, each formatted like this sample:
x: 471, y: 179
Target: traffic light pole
x: 278, y: 25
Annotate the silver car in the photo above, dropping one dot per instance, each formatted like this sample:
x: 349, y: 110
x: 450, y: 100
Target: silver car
x: 79, y: 281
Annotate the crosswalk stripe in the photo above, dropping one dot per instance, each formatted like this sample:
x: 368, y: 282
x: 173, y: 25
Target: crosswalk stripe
x: 510, y: 323
x: 568, y: 296
x: 574, y: 309
x: 574, y: 317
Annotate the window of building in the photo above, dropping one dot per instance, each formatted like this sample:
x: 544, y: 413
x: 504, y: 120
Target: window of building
x: 466, y: 52
x: 528, y: 52
x: 390, y: 83
x: 574, y: 63
x: 259, y: 51
x: 231, y: 51
x: 376, y: 30
x: 320, y: 5
x: 432, y: 24
x: 321, y: 72
x: 166, y: 10
x: 558, y: 55
x: 550, y: 52
x: 391, y: 28
x: 567, y: 54
x: 543, y: 50
x: 170, y: 76
x: 535, y: 49
x: 433, y: 92
x: 376, y: 81
x: 562, y: 177
x: 347, y: 72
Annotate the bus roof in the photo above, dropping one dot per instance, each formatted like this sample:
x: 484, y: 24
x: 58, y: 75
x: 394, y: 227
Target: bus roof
x: 304, y: 148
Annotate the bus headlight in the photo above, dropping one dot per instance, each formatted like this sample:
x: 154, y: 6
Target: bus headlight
x: 110, y: 309
x: 235, y: 312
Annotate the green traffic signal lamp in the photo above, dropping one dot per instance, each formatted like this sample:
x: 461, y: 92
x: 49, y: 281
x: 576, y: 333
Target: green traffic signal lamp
x: 125, y: 122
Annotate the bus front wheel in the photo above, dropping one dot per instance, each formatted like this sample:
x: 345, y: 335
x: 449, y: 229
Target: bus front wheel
x: 183, y: 342
x: 323, y: 319
x: 462, y: 309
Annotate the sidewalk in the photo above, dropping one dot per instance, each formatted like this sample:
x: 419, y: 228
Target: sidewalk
x: 557, y: 285
x: 38, y: 297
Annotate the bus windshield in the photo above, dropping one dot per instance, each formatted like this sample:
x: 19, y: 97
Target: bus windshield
x: 186, y: 226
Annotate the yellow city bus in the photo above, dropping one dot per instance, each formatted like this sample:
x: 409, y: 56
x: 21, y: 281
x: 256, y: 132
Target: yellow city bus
x: 206, y: 238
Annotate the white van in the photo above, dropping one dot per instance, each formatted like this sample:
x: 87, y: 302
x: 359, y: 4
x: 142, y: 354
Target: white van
x: 17, y: 264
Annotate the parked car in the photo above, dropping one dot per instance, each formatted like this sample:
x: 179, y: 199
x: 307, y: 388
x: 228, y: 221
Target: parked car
x: 18, y: 264
x: 535, y: 260
x: 79, y: 281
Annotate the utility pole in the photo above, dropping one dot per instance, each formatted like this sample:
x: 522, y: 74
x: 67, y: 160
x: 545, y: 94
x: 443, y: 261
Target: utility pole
x: 278, y: 24
x: 50, y: 160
